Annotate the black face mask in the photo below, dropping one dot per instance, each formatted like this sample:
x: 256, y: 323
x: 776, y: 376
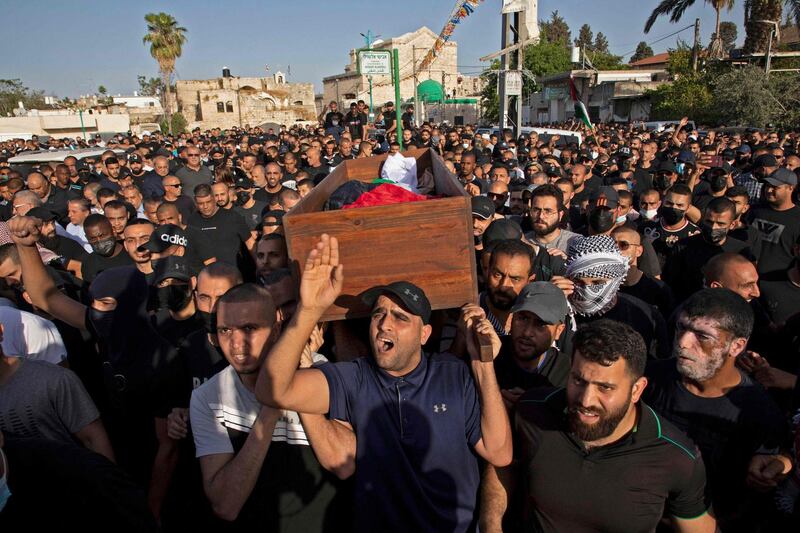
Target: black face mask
x: 718, y: 183
x: 105, y: 247
x: 713, y: 236
x: 208, y: 321
x: 601, y: 219
x: 173, y: 297
x: 661, y: 182
x: 102, y: 322
x: 671, y: 215
x: 242, y: 198
x: 51, y: 243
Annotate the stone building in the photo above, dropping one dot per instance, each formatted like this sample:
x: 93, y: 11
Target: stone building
x: 351, y: 86
x: 230, y: 101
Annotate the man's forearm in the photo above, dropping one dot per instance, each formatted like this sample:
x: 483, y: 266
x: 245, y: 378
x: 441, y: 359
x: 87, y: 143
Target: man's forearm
x: 333, y: 444
x: 232, y: 485
x: 494, y: 501
x: 495, y: 427
x: 280, y: 365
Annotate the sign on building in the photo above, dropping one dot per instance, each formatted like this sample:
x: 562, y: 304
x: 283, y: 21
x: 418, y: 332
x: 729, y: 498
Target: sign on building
x: 514, y: 83
x: 374, y: 62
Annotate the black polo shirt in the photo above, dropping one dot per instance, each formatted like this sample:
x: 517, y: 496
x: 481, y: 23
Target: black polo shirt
x: 415, y: 465
x: 625, y: 486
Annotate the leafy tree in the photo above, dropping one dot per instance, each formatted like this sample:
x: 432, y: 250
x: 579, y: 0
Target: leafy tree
x: 585, y: 37
x: 600, y: 43
x: 746, y: 97
x: 556, y: 30
x: 178, y: 123
x: 545, y: 58
x: 643, y: 50
x: 13, y: 91
x: 102, y: 90
x: 680, y: 60
x: 687, y: 96
x: 758, y: 32
x: 166, y: 40
x: 490, y: 101
x: 149, y: 87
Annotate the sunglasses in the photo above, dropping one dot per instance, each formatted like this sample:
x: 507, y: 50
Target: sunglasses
x: 495, y: 195
x: 625, y: 245
x: 178, y: 186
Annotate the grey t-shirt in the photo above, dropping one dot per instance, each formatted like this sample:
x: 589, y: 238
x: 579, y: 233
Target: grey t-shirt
x: 45, y: 401
x: 191, y: 179
x: 561, y: 242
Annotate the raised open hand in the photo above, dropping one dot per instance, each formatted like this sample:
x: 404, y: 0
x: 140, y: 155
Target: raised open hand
x: 322, y: 277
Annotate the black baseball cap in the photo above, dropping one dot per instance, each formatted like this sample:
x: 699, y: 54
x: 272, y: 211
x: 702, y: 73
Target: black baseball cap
x: 766, y: 160
x: 413, y: 298
x: 609, y: 193
x: 165, y: 236
x: 171, y: 267
x: 500, y: 230
x: 782, y: 176
x: 482, y: 207
x: 134, y: 158
x: 42, y: 213
x: 666, y: 166
x: 242, y: 180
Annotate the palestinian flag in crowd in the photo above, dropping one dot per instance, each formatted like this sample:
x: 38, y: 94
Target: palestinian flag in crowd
x: 580, y: 110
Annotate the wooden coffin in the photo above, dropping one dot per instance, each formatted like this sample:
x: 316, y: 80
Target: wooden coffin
x: 428, y: 243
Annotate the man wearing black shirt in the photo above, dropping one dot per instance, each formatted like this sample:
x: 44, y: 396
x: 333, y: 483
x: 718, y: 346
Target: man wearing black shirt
x: 53, y: 198
x: 528, y: 357
x: 71, y: 253
x: 107, y: 252
x: 637, y: 283
x: 597, y: 433
x: 356, y: 123
x: 222, y: 232
x: 780, y: 293
x: 408, y: 118
x: 683, y: 268
x: 334, y: 120
x: 274, y: 176
x: 582, y: 185
x: 778, y: 222
x: 727, y: 415
x: 246, y: 204
x: 671, y: 225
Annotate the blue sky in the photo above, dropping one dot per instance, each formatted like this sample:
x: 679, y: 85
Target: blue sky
x: 69, y: 48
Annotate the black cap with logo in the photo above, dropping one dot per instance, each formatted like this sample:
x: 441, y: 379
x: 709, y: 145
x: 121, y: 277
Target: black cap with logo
x: 413, y: 298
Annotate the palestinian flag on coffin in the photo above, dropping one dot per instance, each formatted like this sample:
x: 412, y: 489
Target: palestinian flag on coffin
x: 580, y: 109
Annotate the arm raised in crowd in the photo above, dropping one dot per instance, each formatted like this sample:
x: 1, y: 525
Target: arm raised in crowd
x: 25, y: 231
x: 280, y: 383
x: 495, y: 443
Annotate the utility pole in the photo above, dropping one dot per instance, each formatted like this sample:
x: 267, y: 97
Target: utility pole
x: 414, y: 76
x: 368, y: 38
x: 503, y: 111
x: 769, y: 52
x: 696, y: 47
x: 517, y: 64
x: 441, y: 102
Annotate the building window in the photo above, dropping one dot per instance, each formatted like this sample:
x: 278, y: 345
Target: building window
x: 229, y: 107
x: 152, y: 104
x: 220, y: 107
x: 299, y: 102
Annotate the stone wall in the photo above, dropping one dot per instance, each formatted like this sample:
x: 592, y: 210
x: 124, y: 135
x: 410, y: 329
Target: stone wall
x: 238, y: 101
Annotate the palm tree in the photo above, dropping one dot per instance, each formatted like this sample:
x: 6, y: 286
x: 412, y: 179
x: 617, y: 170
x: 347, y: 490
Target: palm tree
x: 166, y: 41
x: 758, y: 10
x: 676, y: 8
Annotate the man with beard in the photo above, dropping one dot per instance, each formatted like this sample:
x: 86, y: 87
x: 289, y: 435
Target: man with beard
x: 222, y: 195
x: 72, y: 254
x: 271, y: 254
x: 597, y: 433
x: 683, y: 267
x: 150, y: 183
x: 498, y: 194
x: 408, y: 408
x: 510, y: 269
x: 107, y: 252
x: 273, y: 174
x: 732, y: 420
x: 547, y: 211
x: 529, y: 357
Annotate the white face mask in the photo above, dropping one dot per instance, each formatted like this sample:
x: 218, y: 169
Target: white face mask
x: 648, y: 214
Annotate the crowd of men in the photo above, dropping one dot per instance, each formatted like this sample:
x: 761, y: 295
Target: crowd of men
x: 162, y: 368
